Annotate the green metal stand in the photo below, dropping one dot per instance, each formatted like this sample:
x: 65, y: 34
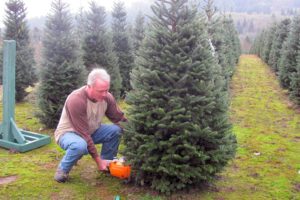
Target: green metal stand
x: 11, y: 137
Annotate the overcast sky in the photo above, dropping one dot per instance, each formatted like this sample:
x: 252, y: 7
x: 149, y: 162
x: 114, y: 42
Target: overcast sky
x: 37, y: 8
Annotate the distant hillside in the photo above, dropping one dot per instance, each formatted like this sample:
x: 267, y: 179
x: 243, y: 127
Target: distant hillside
x: 284, y: 7
x: 258, y: 6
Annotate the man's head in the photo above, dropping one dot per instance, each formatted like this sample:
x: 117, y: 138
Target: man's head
x: 98, y: 84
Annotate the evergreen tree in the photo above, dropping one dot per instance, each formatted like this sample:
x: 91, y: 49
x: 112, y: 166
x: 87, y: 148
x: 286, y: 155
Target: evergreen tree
x: 80, y: 30
x: 295, y: 76
x: 121, y: 45
x: 280, y: 37
x: 61, y: 71
x: 233, y: 39
x: 255, y: 45
x: 227, y: 46
x: 178, y: 134
x: 295, y: 83
x: 138, y: 31
x: 288, y: 61
x: 16, y: 28
x: 98, y: 47
x: 36, y: 35
x: 261, y: 43
x: 224, y: 40
x: 216, y: 33
x: 269, y: 39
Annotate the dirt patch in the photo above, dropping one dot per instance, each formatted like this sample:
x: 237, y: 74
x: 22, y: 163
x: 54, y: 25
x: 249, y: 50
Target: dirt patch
x: 297, y: 187
x: 13, y: 151
x: 296, y: 139
x: 254, y: 175
x: 281, y: 150
x: 8, y: 179
x: 51, y: 165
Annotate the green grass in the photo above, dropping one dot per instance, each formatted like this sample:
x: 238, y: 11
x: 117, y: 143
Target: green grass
x: 266, y: 165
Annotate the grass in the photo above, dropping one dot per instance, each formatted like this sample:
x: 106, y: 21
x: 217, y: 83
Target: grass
x: 266, y: 165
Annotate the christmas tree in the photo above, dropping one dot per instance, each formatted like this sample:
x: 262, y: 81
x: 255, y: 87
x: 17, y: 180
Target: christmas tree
x: 226, y: 45
x: 98, y: 47
x: 61, y: 71
x: 295, y: 76
x: 16, y: 28
x: 138, y: 31
x: 276, y: 48
x: 269, y: 38
x: 178, y: 135
x: 121, y: 45
x: 288, y: 59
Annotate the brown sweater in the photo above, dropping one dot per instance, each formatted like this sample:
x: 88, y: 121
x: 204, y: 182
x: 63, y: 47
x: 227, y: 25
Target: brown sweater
x: 84, y: 116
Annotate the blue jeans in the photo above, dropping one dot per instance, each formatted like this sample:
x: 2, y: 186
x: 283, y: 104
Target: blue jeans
x: 76, y: 146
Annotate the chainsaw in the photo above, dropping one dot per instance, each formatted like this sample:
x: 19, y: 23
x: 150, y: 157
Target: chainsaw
x: 119, y: 169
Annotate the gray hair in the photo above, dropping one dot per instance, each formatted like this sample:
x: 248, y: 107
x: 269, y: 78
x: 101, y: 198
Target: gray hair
x: 96, y: 74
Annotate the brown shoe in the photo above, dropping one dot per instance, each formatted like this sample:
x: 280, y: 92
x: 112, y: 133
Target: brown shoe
x: 61, y: 176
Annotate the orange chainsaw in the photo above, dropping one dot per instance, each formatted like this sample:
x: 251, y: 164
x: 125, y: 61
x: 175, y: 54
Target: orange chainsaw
x: 119, y: 169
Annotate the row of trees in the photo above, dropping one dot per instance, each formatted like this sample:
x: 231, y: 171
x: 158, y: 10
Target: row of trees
x: 279, y: 47
x: 178, y: 134
x: 70, y: 51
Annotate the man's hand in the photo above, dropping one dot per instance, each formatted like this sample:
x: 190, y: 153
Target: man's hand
x: 101, y: 164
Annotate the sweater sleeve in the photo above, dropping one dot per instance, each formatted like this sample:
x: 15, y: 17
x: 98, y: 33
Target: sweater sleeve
x: 76, y: 108
x: 113, y: 112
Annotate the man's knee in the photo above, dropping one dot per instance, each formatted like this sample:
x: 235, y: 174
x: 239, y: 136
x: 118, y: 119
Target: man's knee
x: 116, y: 130
x: 80, y: 147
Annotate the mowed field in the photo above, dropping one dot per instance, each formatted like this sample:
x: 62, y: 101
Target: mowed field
x: 266, y: 166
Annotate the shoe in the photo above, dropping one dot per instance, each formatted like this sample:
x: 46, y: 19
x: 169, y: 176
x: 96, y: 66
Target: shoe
x: 61, y: 176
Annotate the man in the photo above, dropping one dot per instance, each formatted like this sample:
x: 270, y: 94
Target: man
x: 80, y: 128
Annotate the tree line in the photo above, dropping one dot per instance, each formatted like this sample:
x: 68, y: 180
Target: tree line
x: 279, y: 47
x: 173, y: 71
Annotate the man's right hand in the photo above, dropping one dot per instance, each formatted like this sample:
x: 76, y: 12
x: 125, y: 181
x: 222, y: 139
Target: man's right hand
x: 101, y: 164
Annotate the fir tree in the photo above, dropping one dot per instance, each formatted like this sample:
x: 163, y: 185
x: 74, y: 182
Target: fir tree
x: 98, y: 47
x: 138, y: 31
x: 288, y: 61
x: 295, y: 83
x: 295, y: 76
x: 80, y: 28
x: 121, y: 45
x: 178, y: 134
x: 217, y: 36
x: 261, y: 43
x: 224, y: 39
x: 234, y: 41
x: 226, y: 44
x: 279, y: 39
x: 255, y: 45
x: 16, y: 28
x: 270, y: 36
x: 61, y: 71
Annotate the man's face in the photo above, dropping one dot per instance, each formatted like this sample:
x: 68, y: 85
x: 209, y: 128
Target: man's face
x: 99, y: 90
